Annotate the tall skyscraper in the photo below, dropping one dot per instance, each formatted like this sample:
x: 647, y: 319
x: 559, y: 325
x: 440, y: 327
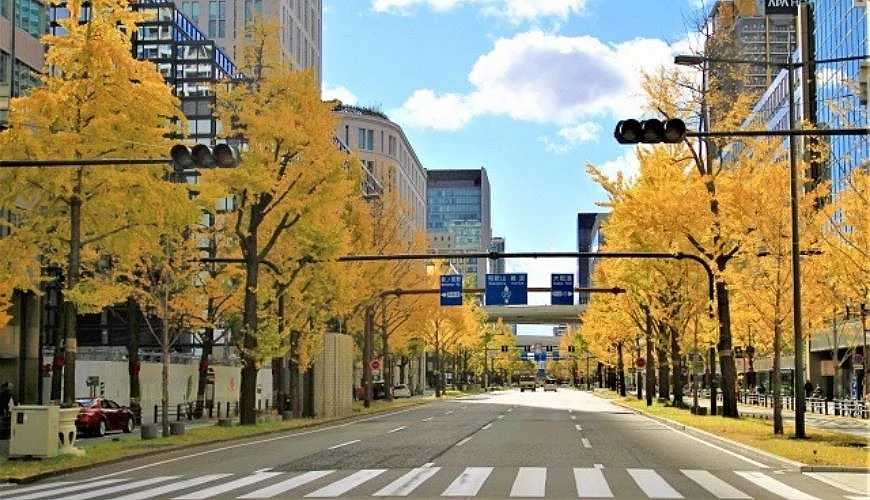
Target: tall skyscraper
x: 29, y: 27
x: 589, y: 239
x: 750, y: 34
x: 300, y: 25
x: 458, y: 216
x: 839, y: 29
x: 497, y: 245
x: 388, y: 156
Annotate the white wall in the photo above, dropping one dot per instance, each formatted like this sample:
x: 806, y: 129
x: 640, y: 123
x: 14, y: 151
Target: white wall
x: 183, y: 380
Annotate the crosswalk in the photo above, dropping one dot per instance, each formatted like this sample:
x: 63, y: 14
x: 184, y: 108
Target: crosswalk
x: 432, y: 481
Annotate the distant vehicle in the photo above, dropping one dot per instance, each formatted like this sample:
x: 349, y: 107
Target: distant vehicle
x: 550, y: 385
x: 401, y: 391
x: 98, y: 416
x: 528, y: 382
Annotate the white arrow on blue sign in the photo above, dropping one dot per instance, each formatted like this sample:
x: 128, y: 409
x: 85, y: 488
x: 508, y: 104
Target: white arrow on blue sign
x: 562, y: 289
x: 451, y: 290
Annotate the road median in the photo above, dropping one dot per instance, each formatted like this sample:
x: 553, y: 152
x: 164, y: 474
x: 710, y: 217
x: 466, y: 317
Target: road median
x: 109, y: 452
x: 821, y: 451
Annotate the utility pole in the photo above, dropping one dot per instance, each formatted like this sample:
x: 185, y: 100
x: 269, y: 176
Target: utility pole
x: 368, y: 330
x: 711, y: 356
x: 650, y: 376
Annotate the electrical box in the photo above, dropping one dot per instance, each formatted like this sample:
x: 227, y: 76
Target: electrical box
x: 34, y: 431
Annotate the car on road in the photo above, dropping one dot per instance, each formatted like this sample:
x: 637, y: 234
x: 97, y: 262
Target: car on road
x: 97, y: 416
x: 550, y: 385
x: 401, y: 391
x: 528, y: 382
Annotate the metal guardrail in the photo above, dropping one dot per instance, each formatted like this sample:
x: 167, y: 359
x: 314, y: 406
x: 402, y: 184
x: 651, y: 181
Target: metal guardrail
x: 855, y: 408
x: 200, y: 410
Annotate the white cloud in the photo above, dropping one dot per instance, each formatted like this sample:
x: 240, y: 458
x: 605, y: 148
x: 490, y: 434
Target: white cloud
x: 626, y: 163
x: 515, y: 11
x: 339, y: 92
x: 571, y: 136
x: 545, y: 78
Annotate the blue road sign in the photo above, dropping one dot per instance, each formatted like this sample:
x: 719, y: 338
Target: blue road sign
x: 562, y: 289
x: 507, y: 289
x: 451, y: 290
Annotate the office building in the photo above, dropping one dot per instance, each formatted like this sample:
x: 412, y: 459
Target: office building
x: 300, y: 25
x: 458, y: 217
x: 388, y: 157
x: 590, y: 238
x: 30, y: 26
x: 750, y: 34
x: 839, y: 29
x: 498, y: 265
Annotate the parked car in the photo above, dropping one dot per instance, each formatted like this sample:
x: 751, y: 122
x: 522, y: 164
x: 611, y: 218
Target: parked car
x: 98, y: 416
x: 550, y: 385
x: 401, y: 391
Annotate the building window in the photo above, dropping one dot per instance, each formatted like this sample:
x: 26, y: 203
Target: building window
x: 217, y: 18
x: 191, y: 10
x: 392, y: 146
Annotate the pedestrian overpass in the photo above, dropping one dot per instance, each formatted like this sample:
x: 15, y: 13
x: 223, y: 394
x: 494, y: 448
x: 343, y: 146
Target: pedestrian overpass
x: 542, y: 314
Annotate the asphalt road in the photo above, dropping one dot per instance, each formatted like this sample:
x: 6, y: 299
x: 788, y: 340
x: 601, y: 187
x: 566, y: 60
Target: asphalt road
x: 567, y: 444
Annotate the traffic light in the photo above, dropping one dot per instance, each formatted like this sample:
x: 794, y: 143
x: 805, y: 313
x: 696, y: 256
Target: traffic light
x: 527, y: 348
x: 571, y: 348
x: 202, y: 156
x: 549, y: 348
x: 504, y: 348
x: 650, y: 131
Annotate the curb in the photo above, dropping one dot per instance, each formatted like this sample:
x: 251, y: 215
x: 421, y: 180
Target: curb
x: 170, y: 448
x: 834, y: 468
x: 687, y: 428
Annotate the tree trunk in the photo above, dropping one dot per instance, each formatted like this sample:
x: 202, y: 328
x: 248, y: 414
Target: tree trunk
x: 621, y: 368
x: 438, y: 375
x: 248, y: 389
x: 204, y: 361
x: 664, y: 370
x: 58, y: 360
x: 293, y: 375
x: 835, y: 356
x: 726, y: 355
x: 777, y: 392
x: 69, y: 309
x: 367, y: 356
x: 133, y: 363
x: 677, y: 367
x: 279, y: 366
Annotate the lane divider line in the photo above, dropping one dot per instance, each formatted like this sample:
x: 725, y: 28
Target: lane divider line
x: 397, y: 429
x: 342, y: 445
x: 586, y: 443
x: 463, y: 441
x: 427, y: 419
x: 487, y: 426
x: 577, y: 426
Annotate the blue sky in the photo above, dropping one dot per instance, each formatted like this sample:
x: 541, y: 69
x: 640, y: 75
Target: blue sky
x: 529, y: 89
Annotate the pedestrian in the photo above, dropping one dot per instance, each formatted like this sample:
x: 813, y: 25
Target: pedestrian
x: 808, y: 389
x: 6, y: 400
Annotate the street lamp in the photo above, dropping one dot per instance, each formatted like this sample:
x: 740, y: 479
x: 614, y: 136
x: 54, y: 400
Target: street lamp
x: 790, y: 67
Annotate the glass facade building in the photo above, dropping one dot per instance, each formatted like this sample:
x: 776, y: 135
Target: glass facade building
x: 841, y: 101
x: 458, y: 216
x: 589, y: 239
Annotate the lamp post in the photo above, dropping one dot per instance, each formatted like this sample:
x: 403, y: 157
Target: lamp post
x: 790, y: 67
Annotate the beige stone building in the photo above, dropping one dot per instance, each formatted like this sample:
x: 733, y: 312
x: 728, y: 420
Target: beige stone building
x: 386, y: 152
x: 299, y: 23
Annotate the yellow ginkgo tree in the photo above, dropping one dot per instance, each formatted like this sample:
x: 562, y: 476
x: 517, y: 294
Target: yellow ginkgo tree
x: 96, y: 102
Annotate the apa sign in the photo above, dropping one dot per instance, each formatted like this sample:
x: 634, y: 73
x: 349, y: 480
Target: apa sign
x: 789, y: 7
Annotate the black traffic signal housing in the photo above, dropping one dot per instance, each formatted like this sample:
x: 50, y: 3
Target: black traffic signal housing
x: 202, y: 156
x: 549, y: 348
x: 504, y: 348
x: 571, y: 348
x: 527, y: 348
x: 651, y: 131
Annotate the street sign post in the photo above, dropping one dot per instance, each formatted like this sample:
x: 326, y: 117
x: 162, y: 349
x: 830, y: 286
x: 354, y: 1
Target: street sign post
x: 375, y: 364
x: 507, y: 289
x: 451, y: 290
x: 562, y: 289
x: 640, y: 362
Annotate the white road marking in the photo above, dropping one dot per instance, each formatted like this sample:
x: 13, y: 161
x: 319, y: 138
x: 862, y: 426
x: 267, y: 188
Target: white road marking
x: 409, y: 482
x: 487, y: 426
x: 428, y: 464
x: 723, y: 450
x: 577, y: 426
x: 38, y: 487
x: 586, y: 443
x: 344, y: 485
x: 342, y: 445
x: 591, y: 484
x: 427, y: 419
x: 463, y: 441
x: 397, y: 429
x: 776, y: 487
x: 258, y: 441
x: 840, y: 480
x: 510, y: 410
x: 858, y: 498
x: 573, y: 417
x: 598, y: 466
x: 172, y: 487
x: 101, y: 492
x: 717, y: 487
x: 500, y: 417
x: 289, y: 484
x: 449, y: 412
x: 653, y: 484
x: 530, y: 482
x: 468, y: 483
x: 65, y: 489
x: 230, y: 486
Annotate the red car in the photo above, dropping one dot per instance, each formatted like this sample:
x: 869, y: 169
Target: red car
x: 99, y: 416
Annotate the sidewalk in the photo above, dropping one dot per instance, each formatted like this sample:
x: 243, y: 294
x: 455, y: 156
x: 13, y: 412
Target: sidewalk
x: 843, y: 425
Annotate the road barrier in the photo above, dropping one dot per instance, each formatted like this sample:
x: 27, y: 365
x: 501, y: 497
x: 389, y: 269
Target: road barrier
x: 199, y: 410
